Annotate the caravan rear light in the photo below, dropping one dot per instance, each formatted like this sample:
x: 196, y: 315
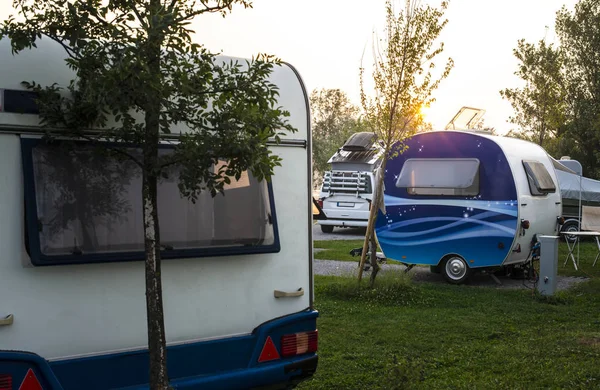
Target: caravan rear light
x: 5, y: 382
x: 299, y: 343
x: 560, y: 220
x: 525, y: 224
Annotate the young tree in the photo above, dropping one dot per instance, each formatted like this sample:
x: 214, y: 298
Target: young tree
x: 403, y: 84
x: 334, y: 119
x: 137, y: 67
x: 539, y: 106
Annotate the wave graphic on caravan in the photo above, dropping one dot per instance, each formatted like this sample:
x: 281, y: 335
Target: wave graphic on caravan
x: 419, y: 231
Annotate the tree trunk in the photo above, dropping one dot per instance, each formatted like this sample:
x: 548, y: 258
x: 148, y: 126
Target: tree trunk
x: 373, y: 218
x: 157, y: 345
x: 373, y: 260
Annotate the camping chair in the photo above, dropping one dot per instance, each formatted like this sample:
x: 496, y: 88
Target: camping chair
x: 590, y: 222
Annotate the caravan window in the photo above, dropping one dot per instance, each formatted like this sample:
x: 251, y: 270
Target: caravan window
x: 540, y: 181
x: 85, y: 207
x: 440, y: 176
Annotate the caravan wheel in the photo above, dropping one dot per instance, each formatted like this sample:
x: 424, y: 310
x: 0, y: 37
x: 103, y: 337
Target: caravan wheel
x: 570, y: 226
x: 456, y: 270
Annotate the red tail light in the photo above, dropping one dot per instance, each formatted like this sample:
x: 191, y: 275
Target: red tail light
x: 320, y: 201
x: 5, y: 382
x: 525, y: 224
x: 299, y: 343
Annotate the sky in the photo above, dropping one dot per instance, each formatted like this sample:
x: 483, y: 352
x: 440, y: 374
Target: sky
x: 325, y: 40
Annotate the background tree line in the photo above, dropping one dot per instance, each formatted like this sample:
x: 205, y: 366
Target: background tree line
x: 559, y: 105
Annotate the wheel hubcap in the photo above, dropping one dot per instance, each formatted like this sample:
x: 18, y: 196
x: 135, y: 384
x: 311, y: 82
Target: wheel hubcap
x: 569, y: 230
x: 456, y: 268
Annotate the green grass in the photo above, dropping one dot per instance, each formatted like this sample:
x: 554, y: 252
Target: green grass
x: 340, y: 250
x: 337, y: 249
x: 428, y: 336
x: 587, y: 253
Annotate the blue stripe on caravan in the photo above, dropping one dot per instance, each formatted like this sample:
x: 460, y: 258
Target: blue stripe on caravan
x: 228, y: 363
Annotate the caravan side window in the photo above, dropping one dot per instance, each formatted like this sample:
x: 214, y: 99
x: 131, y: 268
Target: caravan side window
x: 540, y: 181
x: 440, y: 176
x: 85, y: 207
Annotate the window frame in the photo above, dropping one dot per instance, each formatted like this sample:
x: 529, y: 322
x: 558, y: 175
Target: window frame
x: 477, y: 178
x: 530, y: 175
x: 38, y: 258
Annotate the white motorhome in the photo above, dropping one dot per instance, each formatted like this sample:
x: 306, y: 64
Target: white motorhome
x: 237, y: 270
x: 347, y: 190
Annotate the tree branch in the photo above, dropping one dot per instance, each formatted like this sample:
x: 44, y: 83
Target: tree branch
x: 113, y: 148
x: 200, y: 12
x: 70, y: 52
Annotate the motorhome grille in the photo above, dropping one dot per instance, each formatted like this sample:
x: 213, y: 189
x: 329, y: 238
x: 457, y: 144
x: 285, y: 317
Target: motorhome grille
x: 348, y: 182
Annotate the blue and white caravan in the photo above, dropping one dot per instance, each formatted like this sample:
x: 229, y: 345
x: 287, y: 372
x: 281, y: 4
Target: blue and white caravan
x: 237, y: 272
x: 462, y: 200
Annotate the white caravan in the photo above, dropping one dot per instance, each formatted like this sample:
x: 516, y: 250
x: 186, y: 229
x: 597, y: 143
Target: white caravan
x: 347, y: 189
x: 237, y: 270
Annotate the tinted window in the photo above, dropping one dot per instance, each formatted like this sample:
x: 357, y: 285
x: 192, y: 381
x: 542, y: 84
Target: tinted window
x: 431, y: 176
x: 91, y: 204
x: 540, y: 181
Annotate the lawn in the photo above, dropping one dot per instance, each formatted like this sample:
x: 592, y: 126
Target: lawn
x: 405, y: 334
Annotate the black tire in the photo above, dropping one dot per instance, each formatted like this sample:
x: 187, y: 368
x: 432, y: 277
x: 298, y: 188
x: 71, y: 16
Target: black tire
x: 455, y: 269
x: 327, y: 228
x: 570, y: 226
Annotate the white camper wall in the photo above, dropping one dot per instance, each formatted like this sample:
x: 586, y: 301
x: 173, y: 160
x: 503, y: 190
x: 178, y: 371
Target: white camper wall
x: 540, y: 211
x: 62, y: 311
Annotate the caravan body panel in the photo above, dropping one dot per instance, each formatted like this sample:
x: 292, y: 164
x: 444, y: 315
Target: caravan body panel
x: 541, y: 210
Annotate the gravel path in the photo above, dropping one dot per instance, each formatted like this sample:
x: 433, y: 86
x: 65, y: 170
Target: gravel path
x: 422, y: 274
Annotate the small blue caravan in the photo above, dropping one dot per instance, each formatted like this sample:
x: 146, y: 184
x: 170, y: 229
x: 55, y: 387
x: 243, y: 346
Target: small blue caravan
x: 464, y: 200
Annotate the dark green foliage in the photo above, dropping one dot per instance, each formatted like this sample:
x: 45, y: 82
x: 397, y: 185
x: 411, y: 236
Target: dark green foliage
x: 559, y: 106
x: 229, y: 107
